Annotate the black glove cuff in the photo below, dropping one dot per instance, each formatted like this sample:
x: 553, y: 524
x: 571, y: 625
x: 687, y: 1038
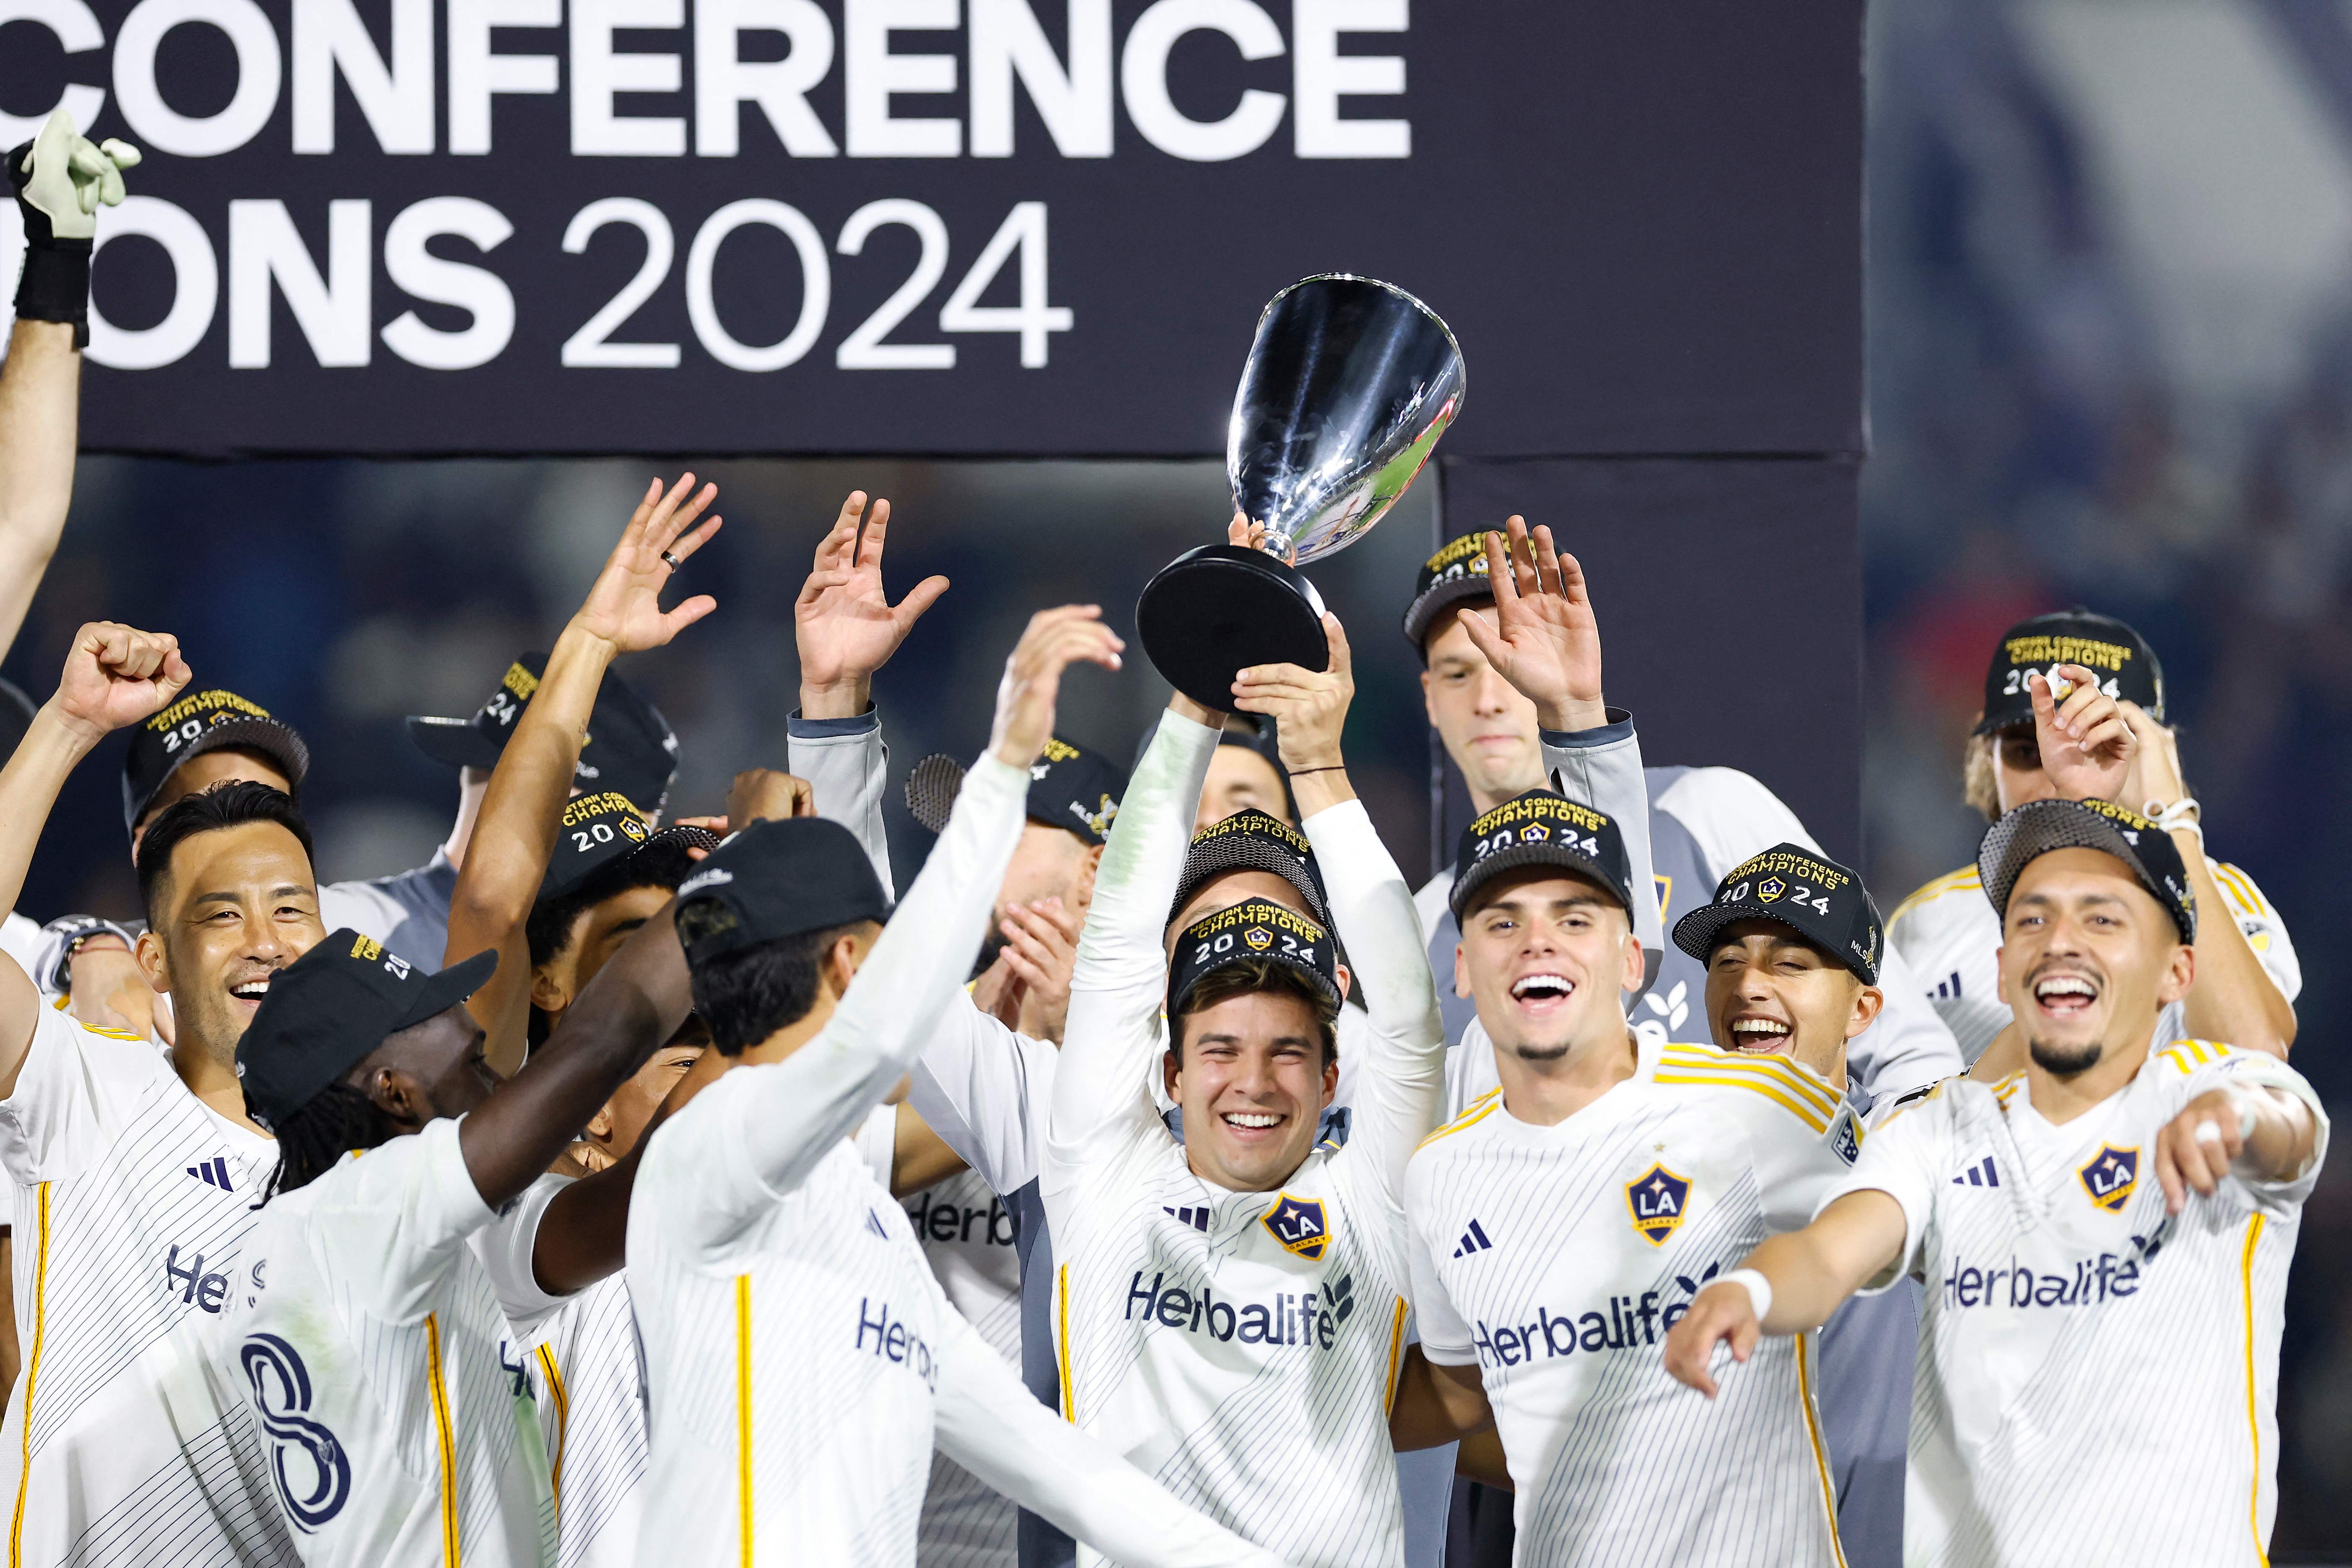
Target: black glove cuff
x: 56, y: 286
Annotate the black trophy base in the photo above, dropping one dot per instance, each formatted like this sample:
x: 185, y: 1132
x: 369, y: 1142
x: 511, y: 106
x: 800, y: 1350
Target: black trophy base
x: 1220, y: 608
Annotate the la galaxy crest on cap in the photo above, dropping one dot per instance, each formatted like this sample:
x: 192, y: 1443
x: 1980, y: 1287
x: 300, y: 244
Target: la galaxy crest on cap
x: 1657, y: 1198
x: 2109, y: 1176
x: 1299, y: 1224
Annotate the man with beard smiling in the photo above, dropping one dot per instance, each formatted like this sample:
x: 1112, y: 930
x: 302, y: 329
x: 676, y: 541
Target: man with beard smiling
x: 1566, y: 1219
x: 2099, y: 1361
x: 136, y: 1172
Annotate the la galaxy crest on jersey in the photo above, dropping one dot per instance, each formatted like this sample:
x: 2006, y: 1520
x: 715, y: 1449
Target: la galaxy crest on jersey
x: 1656, y: 1198
x: 2110, y: 1175
x: 1300, y: 1224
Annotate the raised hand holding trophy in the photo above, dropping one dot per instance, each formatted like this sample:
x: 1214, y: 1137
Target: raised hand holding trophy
x: 1346, y: 388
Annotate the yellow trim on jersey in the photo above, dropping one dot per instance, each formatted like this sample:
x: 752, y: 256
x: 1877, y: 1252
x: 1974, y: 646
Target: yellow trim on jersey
x: 1803, y: 1114
x: 1484, y: 1105
x: 1711, y: 1058
x: 1062, y: 1340
x: 1396, y: 1355
x: 556, y: 1391
x: 2187, y: 1056
x: 743, y: 1414
x: 1949, y: 882
x: 2253, y: 1407
x: 2239, y: 888
x: 31, y: 1365
x: 1821, y: 1454
x: 448, y: 1446
x: 114, y: 1033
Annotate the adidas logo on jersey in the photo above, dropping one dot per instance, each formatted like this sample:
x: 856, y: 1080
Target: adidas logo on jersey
x: 1198, y: 1218
x: 1473, y: 1240
x: 1291, y: 1318
x: 1947, y: 989
x: 874, y: 1224
x: 1980, y: 1174
x: 213, y: 1173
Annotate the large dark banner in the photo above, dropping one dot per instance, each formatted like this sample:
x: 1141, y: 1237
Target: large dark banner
x: 1018, y: 228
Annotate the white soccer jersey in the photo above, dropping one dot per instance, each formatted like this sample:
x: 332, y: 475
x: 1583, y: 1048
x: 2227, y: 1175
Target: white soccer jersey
x: 381, y: 1330
x: 967, y: 1235
x: 1950, y: 935
x: 1556, y: 1258
x: 2097, y: 1382
x: 132, y: 1202
x: 1242, y: 1348
x: 592, y: 1416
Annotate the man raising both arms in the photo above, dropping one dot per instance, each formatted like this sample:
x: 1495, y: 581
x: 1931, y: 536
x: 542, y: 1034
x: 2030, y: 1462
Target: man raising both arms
x: 2105, y: 739
x: 2103, y: 1237
x: 800, y: 1359
x: 1229, y: 1311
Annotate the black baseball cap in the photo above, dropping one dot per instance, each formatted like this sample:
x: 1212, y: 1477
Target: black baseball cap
x: 198, y: 722
x: 1069, y: 787
x: 777, y: 879
x: 1540, y: 828
x: 1791, y: 885
x: 630, y: 749
x: 2039, y: 826
x: 2127, y: 666
x: 1257, y: 928
x: 1249, y: 840
x: 331, y: 1006
x: 602, y: 829
x: 1456, y: 575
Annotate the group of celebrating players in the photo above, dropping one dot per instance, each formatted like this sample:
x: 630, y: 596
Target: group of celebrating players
x: 1161, y: 1180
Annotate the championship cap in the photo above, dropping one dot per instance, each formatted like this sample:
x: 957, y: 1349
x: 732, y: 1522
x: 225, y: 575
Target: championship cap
x: 630, y: 747
x: 1455, y: 575
x: 198, y: 722
x: 1540, y: 828
x: 604, y: 830
x: 1252, y: 841
x: 1791, y: 885
x: 1069, y: 786
x: 2127, y: 666
x: 2039, y: 826
x: 331, y: 1006
x: 777, y: 879
x: 1257, y: 928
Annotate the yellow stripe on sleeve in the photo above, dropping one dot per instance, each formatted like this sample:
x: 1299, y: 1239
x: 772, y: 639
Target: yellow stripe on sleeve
x: 743, y: 1413
x: 1814, y: 1431
x: 1396, y: 1355
x: 556, y: 1391
x: 2253, y: 1406
x: 1798, y: 1108
x: 440, y: 1393
x: 1478, y: 1110
x: 1788, y: 1074
x: 1964, y: 878
x: 2239, y: 888
x: 31, y: 1365
x: 1062, y: 1342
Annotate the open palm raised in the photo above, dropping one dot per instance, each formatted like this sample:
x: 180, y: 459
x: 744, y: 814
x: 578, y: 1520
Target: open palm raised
x: 623, y: 607
x: 846, y: 625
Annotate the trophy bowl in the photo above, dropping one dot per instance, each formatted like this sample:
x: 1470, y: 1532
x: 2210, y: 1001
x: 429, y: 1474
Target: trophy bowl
x: 1348, y: 387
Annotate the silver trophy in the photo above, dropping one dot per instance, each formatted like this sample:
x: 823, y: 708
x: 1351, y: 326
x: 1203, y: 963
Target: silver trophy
x: 1348, y: 387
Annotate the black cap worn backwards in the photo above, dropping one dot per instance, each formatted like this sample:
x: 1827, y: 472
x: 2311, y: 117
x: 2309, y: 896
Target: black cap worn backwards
x: 198, y: 722
x: 331, y: 1006
x: 1454, y: 575
x: 630, y: 747
x: 1251, y: 840
x: 1791, y: 885
x: 1540, y: 828
x: 602, y: 830
x: 2127, y: 666
x: 1255, y: 928
x: 777, y: 880
x: 2039, y: 826
x: 1069, y: 787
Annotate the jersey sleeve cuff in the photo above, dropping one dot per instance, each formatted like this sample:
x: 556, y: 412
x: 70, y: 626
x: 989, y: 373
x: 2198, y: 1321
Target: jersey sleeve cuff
x: 1620, y: 727
x: 1464, y: 1354
x: 799, y: 729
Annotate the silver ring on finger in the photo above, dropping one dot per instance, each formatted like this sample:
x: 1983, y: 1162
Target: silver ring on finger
x: 674, y: 562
